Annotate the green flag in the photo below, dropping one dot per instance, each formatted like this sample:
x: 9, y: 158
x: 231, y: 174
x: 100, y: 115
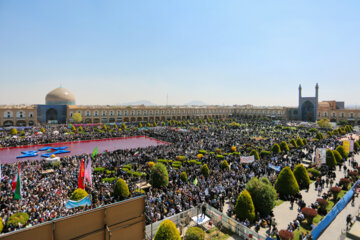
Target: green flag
x: 94, y: 152
x: 195, y: 181
x: 17, y: 195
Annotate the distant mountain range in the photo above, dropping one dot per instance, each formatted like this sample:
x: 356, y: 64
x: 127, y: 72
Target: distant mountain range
x: 148, y: 103
x: 140, y: 102
x: 196, y: 103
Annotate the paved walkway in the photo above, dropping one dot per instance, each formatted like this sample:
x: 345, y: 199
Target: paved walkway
x: 284, y: 214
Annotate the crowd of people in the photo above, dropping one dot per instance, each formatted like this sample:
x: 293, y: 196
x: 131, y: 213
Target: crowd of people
x: 45, y: 194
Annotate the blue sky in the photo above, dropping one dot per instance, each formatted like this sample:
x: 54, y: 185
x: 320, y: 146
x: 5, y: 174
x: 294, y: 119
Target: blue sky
x: 219, y: 52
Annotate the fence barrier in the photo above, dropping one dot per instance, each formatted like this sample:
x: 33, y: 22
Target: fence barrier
x: 182, y: 219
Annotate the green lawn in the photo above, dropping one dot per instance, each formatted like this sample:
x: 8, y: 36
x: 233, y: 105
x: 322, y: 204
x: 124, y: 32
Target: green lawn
x: 215, y: 234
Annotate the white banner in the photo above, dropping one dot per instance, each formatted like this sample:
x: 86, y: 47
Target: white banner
x: 351, y: 146
x: 320, y: 157
x: 247, y: 159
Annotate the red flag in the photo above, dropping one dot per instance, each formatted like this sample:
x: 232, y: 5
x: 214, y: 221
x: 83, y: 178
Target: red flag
x: 81, y: 183
x: 13, y: 184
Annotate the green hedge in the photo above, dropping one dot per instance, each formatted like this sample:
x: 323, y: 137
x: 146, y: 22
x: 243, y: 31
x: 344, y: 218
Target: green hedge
x: 194, y: 233
x: 338, y: 157
x: 108, y: 180
x: 342, y: 151
x: 15, y: 219
x: 276, y: 148
x: 254, y: 153
x: 203, y: 152
x: 314, y: 173
x: 265, y: 153
x: 330, y: 158
x: 284, y: 146
x: 159, y: 176
x: 164, y: 161
x: 205, y: 170
x: 121, y: 190
x: 78, y: 194
x: 263, y: 195
x: 183, y: 177
x: 286, y: 183
x: 302, y: 176
x: 167, y: 231
x: 244, y: 207
x: 224, y: 165
x: 99, y: 169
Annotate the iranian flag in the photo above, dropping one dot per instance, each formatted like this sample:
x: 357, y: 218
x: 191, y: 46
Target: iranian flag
x: 16, y: 185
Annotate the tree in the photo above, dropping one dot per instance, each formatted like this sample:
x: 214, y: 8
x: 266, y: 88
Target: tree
x: 286, y: 235
x: 263, y: 195
x: 183, y: 177
x: 14, y: 131
x: 78, y: 194
x: 224, y: 165
x: 330, y: 159
x: 335, y: 191
x: 167, y: 231
x: 319, y: 136
x: 121, y: 190
x: 342, y: 151
x: 324, y: 123
x: 205, y: 170
x: 194, y: 233
x: 159, y: 176
x: 300, y: 142
x: 265, y: 180
x: 302, y: 176
x: 284, y: 146
x: 338, y: 157
x: 244, y: 207
x: 294, y: 143
x: 16, y: 218
x: 255, y: 154
x: 276, y: 148
x: 309, y: 214
x: 286, y: 183
x: 264, y: 154
x: 77, y: 117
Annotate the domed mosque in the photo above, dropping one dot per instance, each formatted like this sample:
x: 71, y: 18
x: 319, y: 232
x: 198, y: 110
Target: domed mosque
x: 60, y: 96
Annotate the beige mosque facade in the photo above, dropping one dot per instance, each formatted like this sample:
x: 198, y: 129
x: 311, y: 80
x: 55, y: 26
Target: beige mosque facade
x: 60, y: 107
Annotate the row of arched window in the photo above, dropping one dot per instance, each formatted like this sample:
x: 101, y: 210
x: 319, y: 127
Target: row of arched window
x: 18, y: 114
x: 340, y: 115
x: 119, y: 113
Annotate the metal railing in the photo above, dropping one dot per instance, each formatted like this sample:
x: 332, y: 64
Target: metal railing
x: 232, y: 225
x: 183, y: 219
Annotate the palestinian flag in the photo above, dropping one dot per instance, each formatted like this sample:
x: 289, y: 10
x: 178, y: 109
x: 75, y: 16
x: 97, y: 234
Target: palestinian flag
x: 18, y: 193
x: 94, y: 152
x: 136, y: 153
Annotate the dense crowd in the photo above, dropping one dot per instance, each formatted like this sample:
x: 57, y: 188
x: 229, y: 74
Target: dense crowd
x: 45, y: 193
